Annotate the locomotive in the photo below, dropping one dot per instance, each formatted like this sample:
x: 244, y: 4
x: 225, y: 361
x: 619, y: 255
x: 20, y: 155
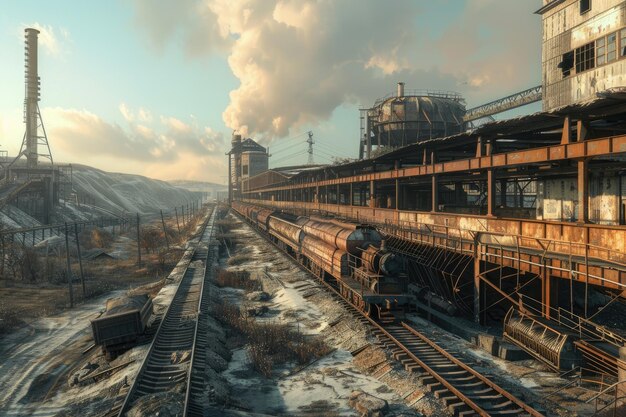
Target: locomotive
x: 351, y: 257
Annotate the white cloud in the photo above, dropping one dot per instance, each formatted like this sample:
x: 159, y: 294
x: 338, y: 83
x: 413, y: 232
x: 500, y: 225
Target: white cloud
x: 126, y: 112
x: 51, y: 43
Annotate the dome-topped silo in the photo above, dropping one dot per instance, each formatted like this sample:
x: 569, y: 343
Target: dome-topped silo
x: 402, y: 119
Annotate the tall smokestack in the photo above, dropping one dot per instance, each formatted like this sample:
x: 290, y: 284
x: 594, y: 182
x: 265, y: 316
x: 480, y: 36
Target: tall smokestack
x: 31, y: 108
x: 400, y: 89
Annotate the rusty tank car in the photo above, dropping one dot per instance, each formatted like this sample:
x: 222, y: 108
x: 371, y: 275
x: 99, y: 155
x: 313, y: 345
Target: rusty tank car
x: 348, y: 256
x: 351, y: 240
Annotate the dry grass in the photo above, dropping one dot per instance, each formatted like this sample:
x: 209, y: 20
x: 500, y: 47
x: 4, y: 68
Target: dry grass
x: 237, y: 279
x: 239, y: 259
x: 271, y: 344
x: 9, y: 319
x: 228, y: 224
x: 24, y: 301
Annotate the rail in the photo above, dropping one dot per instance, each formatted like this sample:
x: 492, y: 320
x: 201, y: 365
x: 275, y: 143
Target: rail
x: 191, y: 408
x: 177, y: 303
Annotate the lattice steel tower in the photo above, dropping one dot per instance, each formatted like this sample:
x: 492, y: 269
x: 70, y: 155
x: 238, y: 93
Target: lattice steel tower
x: 35, y: 134
x: 310, y: 149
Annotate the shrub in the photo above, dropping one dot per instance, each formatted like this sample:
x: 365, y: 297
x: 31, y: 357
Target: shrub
x: 237, y: 279
x: 270, y: 344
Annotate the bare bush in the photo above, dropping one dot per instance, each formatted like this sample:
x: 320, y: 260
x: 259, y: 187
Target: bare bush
x: 239, y: 259
x: 151, y: 239
x: 22, y: 262
x: 237, y: 279
x: 228, y: 224
x: 96, y: 238
x: 271, y: 344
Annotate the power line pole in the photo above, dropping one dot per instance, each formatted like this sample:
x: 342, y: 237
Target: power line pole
x: 138, y: 243
x: 69, y: 269
x: 310, y: 150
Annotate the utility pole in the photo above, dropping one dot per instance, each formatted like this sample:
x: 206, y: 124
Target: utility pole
x: 167, y: 242
x: 177, y: 223
x: 80, y: 259
x: 138, y: 243
x: 69, y: 270
x: 310, y: 150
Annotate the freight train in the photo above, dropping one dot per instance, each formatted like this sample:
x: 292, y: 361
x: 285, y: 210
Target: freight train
x: 351, y: 257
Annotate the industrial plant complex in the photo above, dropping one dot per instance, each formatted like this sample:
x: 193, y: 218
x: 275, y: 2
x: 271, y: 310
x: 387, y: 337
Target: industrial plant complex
x: 465, y: 263
x: 516, y: 223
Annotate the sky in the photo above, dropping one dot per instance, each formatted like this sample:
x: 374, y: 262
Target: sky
x: 156, y: 87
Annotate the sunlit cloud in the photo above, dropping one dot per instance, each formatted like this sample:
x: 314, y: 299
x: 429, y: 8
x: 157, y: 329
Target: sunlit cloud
x: 181, y: 149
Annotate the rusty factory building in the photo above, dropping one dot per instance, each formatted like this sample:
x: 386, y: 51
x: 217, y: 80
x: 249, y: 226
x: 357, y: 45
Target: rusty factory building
x: 519, y: 223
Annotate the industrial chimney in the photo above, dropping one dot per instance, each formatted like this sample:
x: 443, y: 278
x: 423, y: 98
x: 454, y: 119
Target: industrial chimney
x: 31, y: 108
x: 400, y: 89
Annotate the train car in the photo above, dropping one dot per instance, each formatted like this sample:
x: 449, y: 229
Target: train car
x: 347, y: 255
x: 381, y: 261
x: 330, y: 259
x: 351, y: 240
x: 381, y: 271
x: 262, y: 217
x: 286, y: 232
x: 121, y: 325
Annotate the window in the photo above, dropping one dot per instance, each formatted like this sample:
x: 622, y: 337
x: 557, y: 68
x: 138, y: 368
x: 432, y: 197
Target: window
x: 622, y: 42
x: 601, y: 51
x: 585, y: 6
x: 611, y: 47
x: 567, y: 63
x: 585, y: 57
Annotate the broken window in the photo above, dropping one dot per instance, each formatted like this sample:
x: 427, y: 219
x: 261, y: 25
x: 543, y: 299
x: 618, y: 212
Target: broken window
x: 585, y: 6
x: 585, y: 57
x: 622, y: 42
x: 567, y: 63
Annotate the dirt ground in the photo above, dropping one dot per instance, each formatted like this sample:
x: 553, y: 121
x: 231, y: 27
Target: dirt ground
x: 42, y: 361
x: 21, y: 302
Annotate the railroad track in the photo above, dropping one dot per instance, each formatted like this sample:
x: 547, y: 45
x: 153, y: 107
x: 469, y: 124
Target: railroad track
x: 465, y: 391
x: 181, y: 332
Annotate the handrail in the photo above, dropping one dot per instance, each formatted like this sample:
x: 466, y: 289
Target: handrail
x: 569, y: 384
x: 610, y: 254
x: 604, y: 391
x: 614, y: 403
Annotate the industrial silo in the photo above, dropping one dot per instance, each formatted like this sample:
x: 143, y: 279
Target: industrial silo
x: 402, y: 119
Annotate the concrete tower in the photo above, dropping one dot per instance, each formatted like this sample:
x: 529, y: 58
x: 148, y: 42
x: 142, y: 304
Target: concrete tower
x: 32, y: 116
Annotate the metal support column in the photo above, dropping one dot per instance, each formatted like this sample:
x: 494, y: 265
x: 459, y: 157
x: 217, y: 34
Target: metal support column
x: 583, y: 191
x: 435, y: 194
x: 476, y: 280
